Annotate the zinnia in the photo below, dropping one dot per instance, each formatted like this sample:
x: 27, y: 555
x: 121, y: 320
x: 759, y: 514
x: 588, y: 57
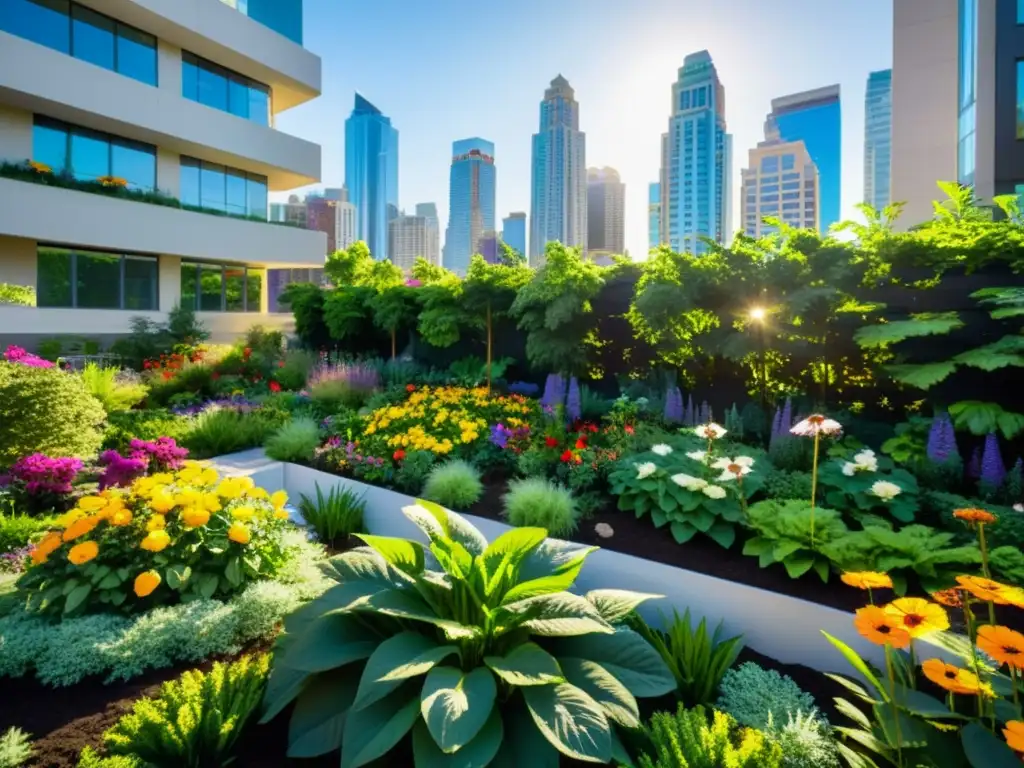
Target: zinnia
x: 1014, y: 735
x: 121, y: 517
x: 880, y: 628
x: 156, y: 541
x: 974, y: 516
x: 1002, y: 644
x: 156, y: 523
x: 84, y: 552
x: 992, y: 591
x: 146, y: 582
x: 278, y: 499
x: 80, y: 527
x: 918, y: 616
x: 195, y: 517
x: 550, y: 442
x: 954, y: 679
x: 867, y: 580
x: 239, y: 533
x: 91, y: 503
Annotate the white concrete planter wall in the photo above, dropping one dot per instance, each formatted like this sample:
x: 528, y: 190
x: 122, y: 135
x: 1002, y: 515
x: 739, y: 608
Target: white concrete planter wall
x: 785, y: 628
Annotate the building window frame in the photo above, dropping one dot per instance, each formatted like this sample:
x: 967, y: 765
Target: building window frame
x: 123, y: 258
x: 70, y: 131
x: 251, y: 180
x: 197, y: 268
x: 210, y: 68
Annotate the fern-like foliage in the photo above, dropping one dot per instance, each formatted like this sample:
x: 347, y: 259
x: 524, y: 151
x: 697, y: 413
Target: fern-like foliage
x: 687, y: 740
x: 1008, y: 351
x: 923, y: 324
x: 1008, y: 302
x: 15, y: 748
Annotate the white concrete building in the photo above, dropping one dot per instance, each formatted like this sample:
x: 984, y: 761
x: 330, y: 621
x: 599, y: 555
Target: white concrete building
x: 412, y: 236
x: 175, y: 101
x: 345, y: 225
x: 781, y: 181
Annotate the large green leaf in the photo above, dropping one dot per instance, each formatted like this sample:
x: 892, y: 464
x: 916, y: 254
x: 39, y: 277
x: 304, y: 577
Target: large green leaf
x: 627, y: 656
x: 923, y: 376
x: 553, y: 558
x: 404, y: 605
x: 614, y: 605
x: 925, y: 324
x: 984, y: 750
x: 455, y: 706
x: 506, y: 552
x: 76, y: 597
x: 546, y: 585
x: 400, y: 657
x: 318, y: 719
x: 559, y: 615
x: 283, y: 685
x: 981, y: 418
x: 333, y: 640
x: 1008, y: 351
x: 478, y: 753
x: 373, y: 731
x: 438, y: 522
x: 571, y: 721
x: 524, y: 744
x: 526, y: 664
x: 405, y: 555
x: 604, y: 688
x: 858, y: 664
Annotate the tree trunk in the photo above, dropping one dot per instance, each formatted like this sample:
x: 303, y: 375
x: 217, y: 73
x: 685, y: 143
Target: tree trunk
x: 393, y: 343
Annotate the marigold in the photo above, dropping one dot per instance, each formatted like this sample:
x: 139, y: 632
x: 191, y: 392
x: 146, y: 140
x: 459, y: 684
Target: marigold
x: 146, y: 582
x: 992, y: 591
x: 84, y: 552
x: 121, y: 518
x: 953, y: 678
x: 1002, y: 644
x: 80, y: 527
x: 49, y: 544
x: 244, y: 513
x: 951, y: 598
x: 258, y: 493
x: 161, y: 501
x: 156, y: 523
x: 880, y: 628
x: 195, y: 517
x: 867, y: 580
x: 278, y: 499
x: 239, y: 533
x: 209, y: 476
x: 156, y: 541
x: 92, y: 503
x: 1014, y: 735
x: 281, y: 514
x: 918, y: 616
x: 974, y: 515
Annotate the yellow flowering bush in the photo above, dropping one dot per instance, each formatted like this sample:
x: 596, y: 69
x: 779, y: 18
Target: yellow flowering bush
x: 443, y: 420
x: 170, y: 537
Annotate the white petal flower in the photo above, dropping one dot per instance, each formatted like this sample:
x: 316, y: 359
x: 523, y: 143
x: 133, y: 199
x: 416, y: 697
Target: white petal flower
x: 817, y: 425
x: 710, y: 431
x: 714, y: 492
x: 1018, y: 507
x: 661, y: 449
x: 697, y: 455
x: 688, y: 482
x: 744, y: 461
x: 866, y: 461
x: 645, y: 470
x: 885, y: 490
x: 733, y: 468
x: 849, y: 469
x: 721, y: 463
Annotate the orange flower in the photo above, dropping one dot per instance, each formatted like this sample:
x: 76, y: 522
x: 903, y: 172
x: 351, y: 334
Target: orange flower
x: 951, y: 598
x: 121, y: 517
x: 46, y: 547
x: 195, y: 517
x: 1014, y: 735
x: 239, y: 533
x: 975, y: 516
x: 156, y: 523
x: 918, y: 616
x: 80, y: 527
x: 954, y: 679
x: 867, y: 580
x: 280, y: 514
x: 881, y: 628
x: 84, y: 552
x: 1002, y: 644
x: 146, y: 582
x: 156, y: 541
x: 39, y: 167
x: 992, y: 591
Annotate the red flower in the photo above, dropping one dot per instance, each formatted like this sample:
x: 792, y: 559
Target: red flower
x: 581, y: 444
x: 592, y: 427
x: 146, y: 363
x: 577, y: 460
x: 550, y: 442
x: 215, y: 375
x: 567, y: 456
x: 167, y: 375
x: 247, y: 352
x: 410, y: 387
x: 398, y: 455
x: 274, y: 386
x: 629, y: 429
x: 280, y: 363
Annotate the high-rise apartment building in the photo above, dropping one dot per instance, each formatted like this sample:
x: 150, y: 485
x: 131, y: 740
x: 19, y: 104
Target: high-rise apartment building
x: 696, y: 160
x: 513, y: 232
x: 815, y: 118
x: 878, y: 138
x: 371, y: 173
x: 429, y: 212
x: 411, y: 236
x: 606, y: 213
x: 781, y: 181
x: 345, y: 224
x: 322, y: 215
x: 653, y: 215
x: 471, y: 201
x: 171, y: 95
x: 292, y: 212
x: 558, y: 195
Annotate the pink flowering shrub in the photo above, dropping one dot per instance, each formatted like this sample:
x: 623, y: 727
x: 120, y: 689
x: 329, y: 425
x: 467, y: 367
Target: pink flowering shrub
x: 15, y: 354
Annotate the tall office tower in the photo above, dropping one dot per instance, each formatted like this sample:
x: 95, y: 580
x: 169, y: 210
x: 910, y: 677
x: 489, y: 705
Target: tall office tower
x: 410, y: 236
x: 322, y: 215
x: 167, y: 98
x: 371, y: 173
x: 878, y: 138
x: 429, y: 212
x: 345, y: 224
x: 471, y: 201
x: 558, y: 196
x: 696, y: 160
x: 653, y: 215
x: 606, y: 214
x: 513, y: 232
x: 780, y: 180
x: 815, y: 118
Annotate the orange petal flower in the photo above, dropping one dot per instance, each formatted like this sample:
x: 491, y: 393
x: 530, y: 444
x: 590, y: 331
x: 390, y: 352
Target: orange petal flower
x: 918, y: 616
x: 1014, y: 735
x: 992, y: 591
x: 954, y: 679
x: 951, y: 598
x: 974, y: 516
x: 867, y: 580
x: 880, y: 628
x: 1002, y: 644
x: 146, y: 582
x: 80, y: 527
x: 84, y: 552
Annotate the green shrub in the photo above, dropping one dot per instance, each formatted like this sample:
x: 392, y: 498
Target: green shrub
x: 687, y: 740
x: 115, y: 395
x: 193, y: 379
x: 264, y: 342
x: 781, y: 484
x: 806, y: 742
x: 146, y: 340
x: 756, y: 696
x: 455, y: 484
x: 1008, y: 530
x: 333, y: 517
x: 17, y: 530
x: 297, y: 365
x: 795, y: 535
x: 294, y: 441
x: 698, y: 660
x: 125, y: 426
x: 533, y: 463
x: 432, y: 648
x: 413, y: 470
x: 15, y: 748
x: 91, y: 759
x: 19, y: 295
x: 195, y: 721
x: 542, y: 504
x: 45, y: 410
x: 217, y: 432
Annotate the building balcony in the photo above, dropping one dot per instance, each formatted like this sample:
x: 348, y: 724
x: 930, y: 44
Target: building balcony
x: 40, y: 80
x: 74, y: 218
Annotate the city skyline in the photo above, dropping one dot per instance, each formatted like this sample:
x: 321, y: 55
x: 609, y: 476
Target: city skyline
x: 622, y: 87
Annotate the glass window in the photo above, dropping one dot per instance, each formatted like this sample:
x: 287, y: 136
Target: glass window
x: 189, y: 193
x: 211, y: 294
x: 97, y: 280
x: 790, y: 206
x: 282, y: 16
x: 50, y: 145
x: 216, y: 187
x: 90, y: 155
x: 790, y: 195
x: 1020, y: 11
x: 701, y: 97
x: 53, y: 278
x: 1020, y: 99
x: 216, y: 87
x: 136, y: 54
x: 140, y: 283
x: 92, y: 37
x: 238, y: 97
x: 42, y: 21
x: 189, y: 77
x: 189, y: 282
x: 213, y: 89
x: 236, y: 193
x: 259, y: 104
x: 211, y: 187
x: 136, y: 165
x: 685, y: 100
x: 256, y: 187
x: 234, y: 289
x: 791, y: 185
x: 788, y: 162
x: 770, y: 164
x: 253, y: 290
x: 769, y: 188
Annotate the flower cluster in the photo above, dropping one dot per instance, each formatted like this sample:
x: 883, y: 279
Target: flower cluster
x: 112, y: 181
x: 120, y: 470
x: 162, y: 455
x: 508, y: 438
x: 15, y: 354
x: 554, y: 393
x: 41, y: 474
x: 942, y: 440
x: 865, y: 461
x: 358, y: 377
x: 167, y: 366
x: 674, y: 412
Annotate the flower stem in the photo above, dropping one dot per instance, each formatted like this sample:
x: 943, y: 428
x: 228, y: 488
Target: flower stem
x: 895, y: 706
x: 985, y: 569
x: 814, y: 482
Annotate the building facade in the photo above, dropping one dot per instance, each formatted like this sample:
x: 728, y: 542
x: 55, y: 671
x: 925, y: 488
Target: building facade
x: 558, y: 193
x: 411, y: 237
x: 429, y: 212
x: 293, y: 212
x: 513, y: 232
x: 371, y: 173
x: 815, y: 118
x: 653, y: 215
x: 781, y: 181
x: 168, y: 97
x: 878, y: 138
x: 471, y: 201
x: 345, y: 224
x: 322, y: 216
x: 606, y: 213
x: 696, y: 160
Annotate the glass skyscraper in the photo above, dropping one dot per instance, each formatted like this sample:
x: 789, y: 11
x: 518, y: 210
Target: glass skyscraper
x: 558, y: 196
x: 696, y: 160
x: 282, y: 16
x: 815, y: 118
x: 513, y: 232
x: 371, y: 173
x: 470, y: 203
x: 878, y: 139
x: 653, y: 215
x: 967, y: 87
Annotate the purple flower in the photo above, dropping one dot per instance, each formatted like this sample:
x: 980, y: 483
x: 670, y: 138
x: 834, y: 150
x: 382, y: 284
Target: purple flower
x: 776, y: 426
x: 942, y: 440
x: 40, y: 473
x: 160, y: 455
x: 120, y: 470
x: 690, y: 417
x: 673, y: 406
x: 500, y: 435
x: 359, y: 377
x: 413, y: 283
x: 554, y: 392
x: 993, y: 471
x: 705, y: 413
x: 15, y: 354
x: 974, y: 465
x: 786, y: 419
x: 573, y: 407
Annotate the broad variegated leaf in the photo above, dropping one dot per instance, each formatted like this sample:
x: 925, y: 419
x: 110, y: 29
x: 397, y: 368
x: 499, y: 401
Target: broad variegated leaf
x: 455, y: 706
x: 403, y: 656
x: 481, y: 751
x: 373, y: 731
x: 558, y: 615
x: 407, y: 556
x: 526, y: 664
x: 333, y: 640
x: 626, y: 655
x: 506, y: 552
x: 614, y: 605
x: 604, y: 688
x: 571, y: 721
x: 318, y: 719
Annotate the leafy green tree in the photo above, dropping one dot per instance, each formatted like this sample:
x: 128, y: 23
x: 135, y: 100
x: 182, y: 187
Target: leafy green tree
x: 510, y: 256
x: 351, y: 266
x: 392, y: 308
x: 347, y: 313
x: 307, y: 304
x: 442, y: 313
x: 488, y: 293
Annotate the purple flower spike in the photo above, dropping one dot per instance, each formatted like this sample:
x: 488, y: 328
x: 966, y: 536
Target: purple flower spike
x: 674, y: 406
x: 690, y: 418
x: 705, y: 413
x: 786, y: 419
x: 554, y: 392
x: 942, y: 440
x: 974, y: 465
x: 573, y: 407
x: 993, y: 471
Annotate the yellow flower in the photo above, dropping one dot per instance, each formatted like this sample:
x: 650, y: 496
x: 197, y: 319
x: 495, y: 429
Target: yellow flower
x: 209, y: 476
x: 161, y: 501
x: 229, y: 488
x: 91, y: 503
x: 190, y: 473
x: 258, y: 493
x: 114, y: 506
x: 163, y: 478
x: 80, y: 527
x: 195, y: 517
x: 211, y: 503
x: 156, y: 540
x: 146, y: 582
x: 121, y: 517
x: 46, y: 547
x: 280, y: 514
x: 156, y: 523
x: 189, y: 497
x: 244, y: 513
x: 239, y: 533
x: 84, y: 552
x: 278, y: 499
x: 143, y: 486
x: 918, y: 616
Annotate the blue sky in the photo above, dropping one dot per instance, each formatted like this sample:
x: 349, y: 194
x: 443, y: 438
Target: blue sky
x: 449, y: 69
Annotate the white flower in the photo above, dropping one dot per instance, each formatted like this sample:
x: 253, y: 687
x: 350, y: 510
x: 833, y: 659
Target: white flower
x: 817, y: 425
x: 865, y: 461
x: 849, y: 469
x: 1018, y: 507
x: 697, y: 455
x: 885, y: 490
x: 710, y: 431
x: 733, y: 468
x: 714, y: 492
x: 661, y: 449
x: 645, y: 470
x: 688, y: 482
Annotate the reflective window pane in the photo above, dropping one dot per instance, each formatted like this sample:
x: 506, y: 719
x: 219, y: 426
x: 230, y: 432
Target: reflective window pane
x: 98, y: 280
x: 53, y: 278
x: 90, y: 155
x: 236, y: 193
x: 46, y: 22
x: 1020, y: 99
x: 189, y: 78
x: 259, y: 105
x: 282, y: 16
x: 212, y: 187
x: 134, y: 164
x: 257, y: 194
x: 50, y: 145
x: 189, y: 194
x: 254, y: 290
x: 136, y: 54
x: 234, y: 289
x: 140, y: 283
x: 214, y: 86
x: 92, y: 37
x: 213, y: 89
x: 189, y: 283
x: 238, y: 97
x: 210, y: 283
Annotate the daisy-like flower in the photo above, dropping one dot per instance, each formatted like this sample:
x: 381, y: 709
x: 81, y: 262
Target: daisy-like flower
x: 992, y: 591
x: 885, y: 490
x: 974, y: 516
x: 646, y: 469
x: 688, y: 482
x: 697, y: 455
x: 661, y: 449
x: 816, y: 425
x: 714, y: 491
x: 918, y: 616
x: 733, y: 468
x: 1014, y: 735
x: 1002, y: 644
x: 876, y: 625
x: 867, y: 580
x: 954, y: 679
x: 710, y: 431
